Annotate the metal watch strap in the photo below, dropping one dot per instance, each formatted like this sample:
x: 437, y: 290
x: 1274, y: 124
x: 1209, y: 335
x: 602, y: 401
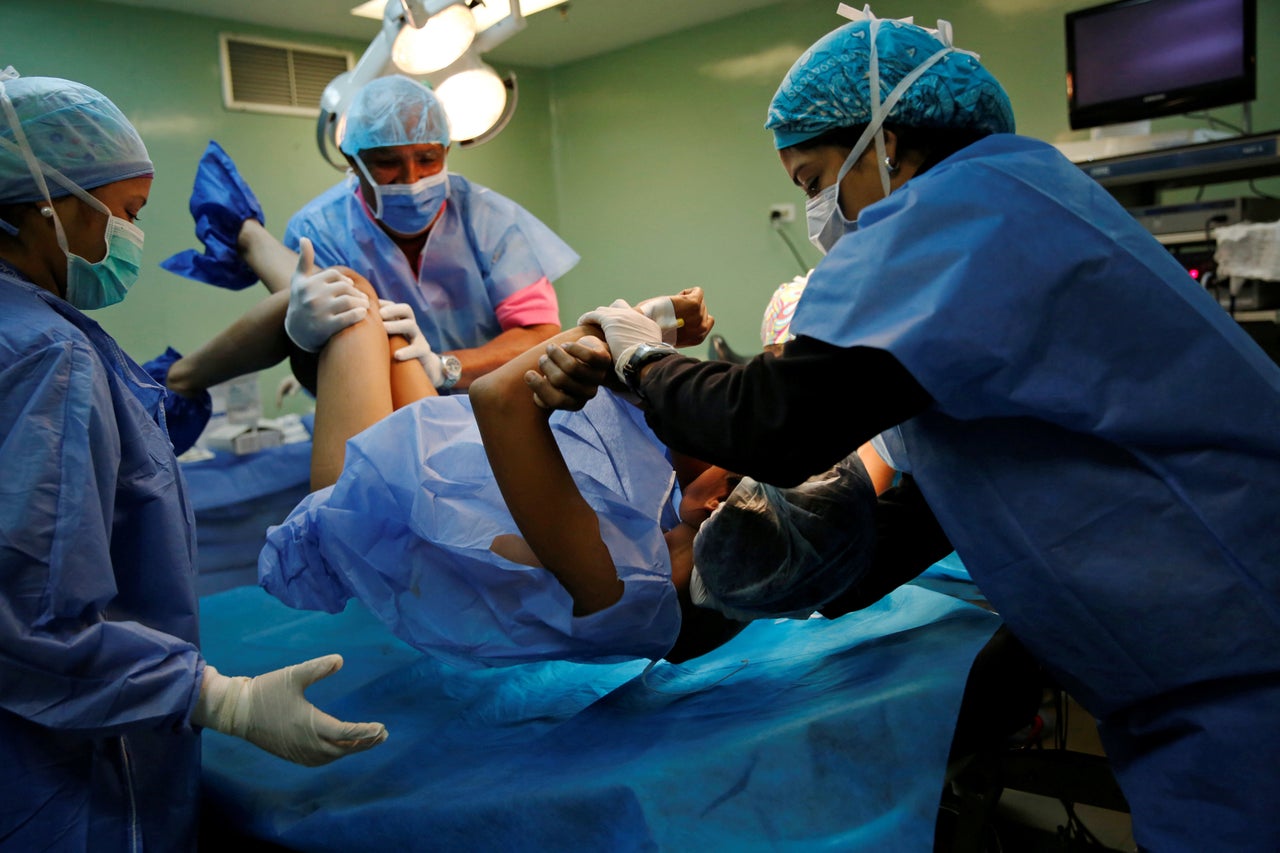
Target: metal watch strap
x: 452, y: 371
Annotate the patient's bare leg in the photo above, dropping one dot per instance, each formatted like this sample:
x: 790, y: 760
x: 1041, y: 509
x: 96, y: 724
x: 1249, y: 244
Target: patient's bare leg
x: 358, y: 385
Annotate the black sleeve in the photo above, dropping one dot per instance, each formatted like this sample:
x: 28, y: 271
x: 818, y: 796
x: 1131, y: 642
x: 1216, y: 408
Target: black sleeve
x: 782, y: 418
x: 908, y: 541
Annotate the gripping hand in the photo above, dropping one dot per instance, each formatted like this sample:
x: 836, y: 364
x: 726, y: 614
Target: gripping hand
x: 321, y: 302
x: 624, y: 329
x: 398, y: 319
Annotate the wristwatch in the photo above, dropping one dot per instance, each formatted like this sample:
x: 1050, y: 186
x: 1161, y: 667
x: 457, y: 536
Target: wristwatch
x: 640, y: 356
x: 452, y: 369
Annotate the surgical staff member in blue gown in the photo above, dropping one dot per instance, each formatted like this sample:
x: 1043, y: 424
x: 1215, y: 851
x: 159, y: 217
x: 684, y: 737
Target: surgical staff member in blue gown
x: 103, y: 690
x: 475, y: 268
x: 1098, y: 439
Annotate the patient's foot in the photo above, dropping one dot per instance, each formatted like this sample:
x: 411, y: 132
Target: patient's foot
x: 221, y: 203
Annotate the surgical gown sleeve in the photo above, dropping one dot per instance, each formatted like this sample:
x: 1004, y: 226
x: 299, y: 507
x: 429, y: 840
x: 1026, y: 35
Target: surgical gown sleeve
x: 779, y: 419
x: 69, y: 659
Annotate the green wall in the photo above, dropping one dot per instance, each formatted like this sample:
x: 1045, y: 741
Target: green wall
x: 162, y: 70
x: 651, y: 161
x: 666, y: 176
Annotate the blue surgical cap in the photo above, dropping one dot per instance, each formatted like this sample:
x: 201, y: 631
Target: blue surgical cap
x: 394, y: 110
x: 71, y: 128
x: 829, y: 86
x: 771, y: 552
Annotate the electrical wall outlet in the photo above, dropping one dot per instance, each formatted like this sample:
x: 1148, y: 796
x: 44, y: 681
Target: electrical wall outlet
x: 782, y: 213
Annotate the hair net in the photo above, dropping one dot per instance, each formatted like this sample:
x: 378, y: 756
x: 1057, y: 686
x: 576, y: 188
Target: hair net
x: 394, y: 110
x: 829, y: 86
x: 71, y: 128
x: 775, y: 328
x: 768, y: 551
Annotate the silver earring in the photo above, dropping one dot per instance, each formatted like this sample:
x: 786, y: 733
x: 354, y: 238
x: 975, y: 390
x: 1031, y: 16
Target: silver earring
x: 46, y: 212
x: 891, y: 166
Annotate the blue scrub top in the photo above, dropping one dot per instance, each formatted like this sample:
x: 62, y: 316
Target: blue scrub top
x: 483, y: 249
x: 98, y: 618
x: 1104, y: 452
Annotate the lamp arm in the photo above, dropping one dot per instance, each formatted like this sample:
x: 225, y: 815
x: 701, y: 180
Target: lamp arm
x: 501, y: 31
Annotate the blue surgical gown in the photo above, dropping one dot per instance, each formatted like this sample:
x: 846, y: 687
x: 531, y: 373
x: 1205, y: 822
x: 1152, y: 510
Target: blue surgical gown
x: 483, y: 249
x: 407, y: 529
x: 1104, y: 453
x: 98, y: 660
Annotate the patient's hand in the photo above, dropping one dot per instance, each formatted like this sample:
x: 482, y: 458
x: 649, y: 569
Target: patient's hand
x: 691, y: 312
x: 686, y: 311
x: 569, y: 374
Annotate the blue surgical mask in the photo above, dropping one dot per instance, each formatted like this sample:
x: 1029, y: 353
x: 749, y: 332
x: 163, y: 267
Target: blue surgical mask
x: 408, y: 209
x: 106, y: 282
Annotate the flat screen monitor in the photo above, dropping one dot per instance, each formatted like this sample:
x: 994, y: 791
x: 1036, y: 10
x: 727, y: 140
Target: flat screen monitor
x: 1140, y: 59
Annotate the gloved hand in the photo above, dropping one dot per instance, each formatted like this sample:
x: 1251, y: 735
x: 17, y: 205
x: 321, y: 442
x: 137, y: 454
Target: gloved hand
x: 399, y: 320
x: 270, y: 712
x: 624, y: 328
x: 321, y: 303
x: 661, y: 310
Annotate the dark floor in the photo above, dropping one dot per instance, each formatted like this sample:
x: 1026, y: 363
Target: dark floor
x: 1024, y: 822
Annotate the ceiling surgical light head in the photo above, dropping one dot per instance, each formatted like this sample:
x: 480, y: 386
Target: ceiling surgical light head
x: 436, y: 42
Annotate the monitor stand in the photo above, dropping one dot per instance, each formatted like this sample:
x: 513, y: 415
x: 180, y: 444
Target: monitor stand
x: 1135, y: 137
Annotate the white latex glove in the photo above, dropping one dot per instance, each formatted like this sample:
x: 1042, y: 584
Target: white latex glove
x: 625, y: 328
x: 270, y: 712
x: 398, y: 319
x: 321, y: 303
x: 662, y: 311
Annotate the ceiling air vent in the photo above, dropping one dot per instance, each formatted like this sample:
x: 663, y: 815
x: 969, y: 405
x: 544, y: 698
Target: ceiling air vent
x: 267, y: 76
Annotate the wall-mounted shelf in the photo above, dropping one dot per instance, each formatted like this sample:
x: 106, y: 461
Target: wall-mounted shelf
x: 1135, y: 179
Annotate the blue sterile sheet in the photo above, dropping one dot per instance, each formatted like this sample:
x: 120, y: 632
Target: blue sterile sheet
x: 796, y: 735
x: 235, y: 499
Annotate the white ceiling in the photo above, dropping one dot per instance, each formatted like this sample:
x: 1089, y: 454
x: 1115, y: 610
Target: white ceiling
x: 577, y: 30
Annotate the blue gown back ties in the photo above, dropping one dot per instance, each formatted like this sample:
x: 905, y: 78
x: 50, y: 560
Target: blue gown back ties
x: 1104, y: 452
x: 98, y: 614
x: 407, y: 529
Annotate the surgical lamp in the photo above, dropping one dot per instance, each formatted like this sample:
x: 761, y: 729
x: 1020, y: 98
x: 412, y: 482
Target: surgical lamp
x: 436, y: 42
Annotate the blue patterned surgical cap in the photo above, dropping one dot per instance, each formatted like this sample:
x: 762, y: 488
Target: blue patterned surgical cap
x: 829, y: 86
x: 394, y: 110
x: 71, y: 128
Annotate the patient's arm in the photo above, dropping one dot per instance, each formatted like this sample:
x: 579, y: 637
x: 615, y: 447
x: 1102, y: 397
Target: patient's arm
x: 558, y: 524
x: 255, y: 341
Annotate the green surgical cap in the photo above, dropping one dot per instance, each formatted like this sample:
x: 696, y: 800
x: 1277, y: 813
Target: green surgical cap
x: 394, y: 110
x: 71, y: 128
x: 829, y: 86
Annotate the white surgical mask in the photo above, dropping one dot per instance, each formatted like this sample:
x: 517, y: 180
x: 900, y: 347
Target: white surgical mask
x: 826, y: 220
x: 408, y: 209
